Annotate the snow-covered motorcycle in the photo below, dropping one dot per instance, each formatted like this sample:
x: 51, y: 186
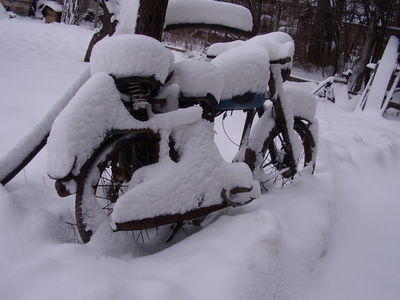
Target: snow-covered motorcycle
x: 136, y: 142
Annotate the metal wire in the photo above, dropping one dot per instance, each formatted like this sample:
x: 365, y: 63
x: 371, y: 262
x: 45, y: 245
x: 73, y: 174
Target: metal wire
x: 223, y: 127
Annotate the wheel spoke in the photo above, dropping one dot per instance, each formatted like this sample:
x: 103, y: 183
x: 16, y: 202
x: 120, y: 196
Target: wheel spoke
x: 105, y: 166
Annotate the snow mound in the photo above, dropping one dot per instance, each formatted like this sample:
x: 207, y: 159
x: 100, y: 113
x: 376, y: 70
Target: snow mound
x: 196, y: 180
x: 132, y: 55
x: 198, y: 78
x: 208, y: 12
x: 245, y: 69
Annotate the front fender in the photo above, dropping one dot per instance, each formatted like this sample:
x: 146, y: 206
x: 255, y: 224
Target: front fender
x: 83, y: 125
x: 93, y: 114
x: 67, y: 185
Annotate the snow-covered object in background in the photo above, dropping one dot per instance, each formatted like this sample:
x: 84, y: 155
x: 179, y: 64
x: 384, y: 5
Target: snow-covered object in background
x: 341, y: 94
x: 95, y: 110
x: 3, y: 13
x: 217, y: 48
x: 39, y: 133
x: 335, y: 89
x: 198, y: 78
x: 41, y: 4
x: 197, y: 180
x: 126, y: 13
x: 132, y: 55
x: 245, y: 69
x: 208, y: 12
x: 327, y: 81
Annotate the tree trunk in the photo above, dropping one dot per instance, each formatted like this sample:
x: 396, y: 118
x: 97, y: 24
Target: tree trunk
x: 151, y: 18
x: 255, y: 9
x: 318, y: 33
x: 276, y: 16
x: 339, y: 35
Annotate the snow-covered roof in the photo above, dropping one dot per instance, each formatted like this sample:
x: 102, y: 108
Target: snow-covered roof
x: 41, y: 4
x: 208, y: 12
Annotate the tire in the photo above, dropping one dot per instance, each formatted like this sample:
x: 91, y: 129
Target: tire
x: 106, y: 175
x: 270, y: 169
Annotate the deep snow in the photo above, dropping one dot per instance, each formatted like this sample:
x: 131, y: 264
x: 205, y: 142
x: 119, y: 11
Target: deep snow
x: 333, y: 235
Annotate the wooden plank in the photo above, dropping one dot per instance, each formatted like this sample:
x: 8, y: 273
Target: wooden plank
x: 376, y: 101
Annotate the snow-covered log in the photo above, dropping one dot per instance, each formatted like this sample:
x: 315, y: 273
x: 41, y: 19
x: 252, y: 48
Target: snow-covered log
x: 27, y: 148
x: 3, y: 13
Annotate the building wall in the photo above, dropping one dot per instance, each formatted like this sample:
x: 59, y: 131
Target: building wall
x: 20, y: 7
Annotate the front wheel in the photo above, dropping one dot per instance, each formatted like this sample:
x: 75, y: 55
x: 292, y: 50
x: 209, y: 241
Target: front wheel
x: 106, y: 176
x: 270, y: 168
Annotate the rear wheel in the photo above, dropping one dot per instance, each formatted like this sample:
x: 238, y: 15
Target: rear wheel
x: 106, y: 176
x: 271, y: 169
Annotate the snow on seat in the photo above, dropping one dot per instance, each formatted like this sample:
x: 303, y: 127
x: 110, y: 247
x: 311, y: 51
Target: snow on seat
x: 198, y: 78
x: 128, y: 55
x: 208, y: 12
x: 279, y: 45
x: 217, y: 48
x: 245, y: 69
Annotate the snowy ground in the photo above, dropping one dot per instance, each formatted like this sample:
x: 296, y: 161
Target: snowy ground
x: 330, y: 236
